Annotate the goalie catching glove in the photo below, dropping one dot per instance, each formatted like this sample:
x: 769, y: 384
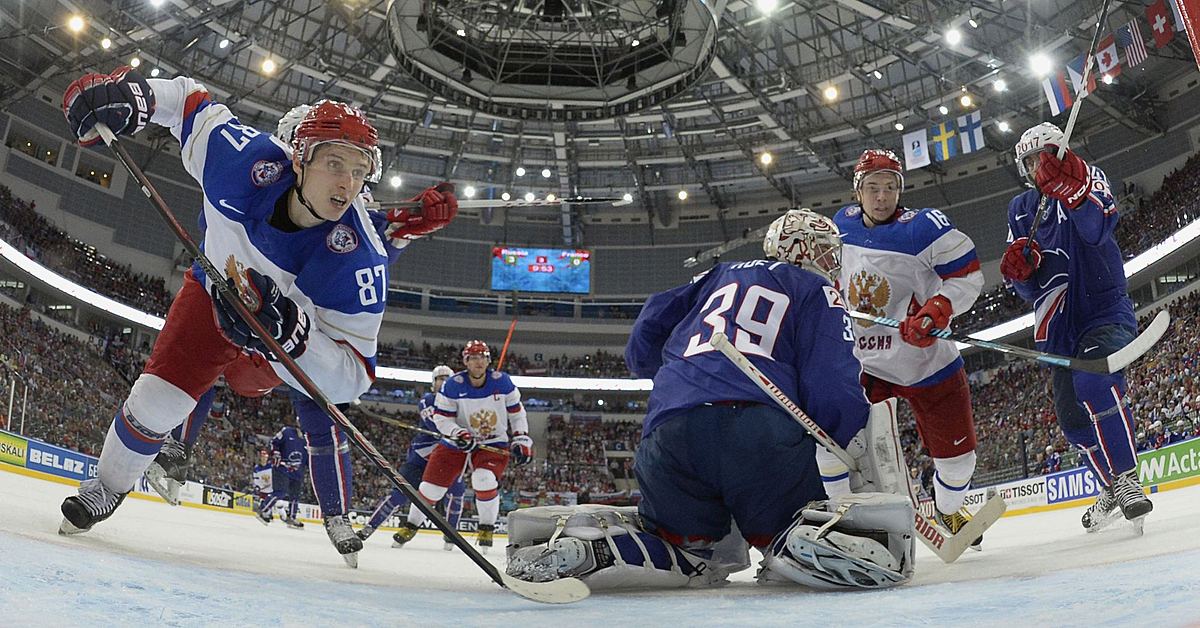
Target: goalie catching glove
x: 122, y: 101
x: 285, y: 321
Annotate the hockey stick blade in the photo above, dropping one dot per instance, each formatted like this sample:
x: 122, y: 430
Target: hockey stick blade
x: 561, y: 591
x: 1110, y: 364
x: 949, y: 548
x: 1138, y: 347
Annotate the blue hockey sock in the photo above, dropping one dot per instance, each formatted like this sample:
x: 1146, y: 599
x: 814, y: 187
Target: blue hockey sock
x: 189, y: 430
x: 386, y: 507
x: 1103, y: 397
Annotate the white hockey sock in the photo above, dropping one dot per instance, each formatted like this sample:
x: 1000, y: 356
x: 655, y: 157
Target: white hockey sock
x: 120, y: 467
x: 951, y: 479
x: 489, y: 510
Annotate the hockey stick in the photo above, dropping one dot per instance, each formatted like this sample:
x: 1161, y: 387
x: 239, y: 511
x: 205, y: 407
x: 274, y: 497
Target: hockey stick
x: 615, y: 201
x: 554, y: 592
x: 947, y: 548
x: 1044, y: 201
x: 420, y: 430
x: 1112, y: 363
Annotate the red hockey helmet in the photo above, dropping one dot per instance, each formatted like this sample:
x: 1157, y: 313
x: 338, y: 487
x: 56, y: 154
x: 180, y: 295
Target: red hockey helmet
x: 877, y: 160
x: 332, y: 121
x: 476, y: 347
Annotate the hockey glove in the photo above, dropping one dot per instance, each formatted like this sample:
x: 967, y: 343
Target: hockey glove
x: 283, y: 319
x: 462, y: 438
x: 521, y: 448
x: 276, y: 459
x: 1015, y: 266
x: 122, y: 100
x: 439, y: 206
x: 1067, y: 180
x: 935, y: 314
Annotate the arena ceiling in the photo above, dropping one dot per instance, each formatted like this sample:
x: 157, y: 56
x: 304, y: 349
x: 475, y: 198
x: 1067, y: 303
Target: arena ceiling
x: 605, y: 97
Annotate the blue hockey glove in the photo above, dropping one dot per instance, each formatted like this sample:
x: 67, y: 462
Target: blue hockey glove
x: 521, y: 448
x: 122, y: 100
x: 283, y: 319
x: 462, y: 438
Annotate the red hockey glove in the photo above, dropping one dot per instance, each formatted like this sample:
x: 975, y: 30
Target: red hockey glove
x: 462, y: 438
x: 521, y: 448
x: 439, y: 206
x: 1015, y: 266
x: 122, y: 100
x: 1067, y: 180
x: 935, y: 314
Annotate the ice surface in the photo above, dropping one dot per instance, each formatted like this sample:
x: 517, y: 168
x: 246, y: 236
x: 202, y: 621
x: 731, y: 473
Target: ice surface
x: 154, y: 564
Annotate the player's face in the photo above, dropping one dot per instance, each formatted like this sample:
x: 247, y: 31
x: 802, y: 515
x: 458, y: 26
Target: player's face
x: 1032, y: 161
x: 262, y: 457
x: 438, y: 382
x: 333, y: 178
x: 477, y: 364
x: 879, y: 195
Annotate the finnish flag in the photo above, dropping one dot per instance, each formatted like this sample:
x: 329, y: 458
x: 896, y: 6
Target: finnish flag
x: 970, y: 132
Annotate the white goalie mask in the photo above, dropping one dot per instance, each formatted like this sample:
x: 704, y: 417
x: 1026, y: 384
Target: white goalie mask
x: 1044, y: 136
x: 440, y: 370
x: 286, y: 129
x: 806, y: 239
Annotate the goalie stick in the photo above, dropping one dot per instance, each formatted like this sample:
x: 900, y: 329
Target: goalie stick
x: 560, y: 591
x: 946, y: 547
x: 420, y: 430
x: 1111, y: 363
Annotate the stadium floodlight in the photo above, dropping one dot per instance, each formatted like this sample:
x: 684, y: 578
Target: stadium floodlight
x: 954, y: 37
x: 830, y: 93
x: 396, y: 181
x: 135, y: 62
x: 106, y: 43
x: 268, y: 66
x: 766, y: 158
x: 76, y: 24
x: 943, y: 109
x: 546, y: 173
x: 1040, y: 64
x: 627, y: 197
x: 529, y: 196
x: 899, y: 126
x: 965, y: 100
x: 469, y: 191
x: 766, y: 7
x: 551, y: 197
x: 877, y: 74
x: 682, y: 195
x: 154, y: 73
x: 504, y: 196
x: 223, y: 44
x: 1003, y: 126
x: 1000, y: 85
x: 1107, y: 79
x: 520, y: 171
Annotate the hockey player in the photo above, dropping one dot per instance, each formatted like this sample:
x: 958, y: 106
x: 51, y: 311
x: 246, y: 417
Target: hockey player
x: 293, y: 239
x: 912, y: 265
x: 1074, y: 277
x: 478, y: 406
x: 261, y: 483
x: 720, y: 464
x: 414, y: 468
x: 288, y: 456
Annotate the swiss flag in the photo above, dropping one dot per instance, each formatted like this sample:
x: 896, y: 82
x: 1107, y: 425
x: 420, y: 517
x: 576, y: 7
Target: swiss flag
x: 1160, y: 23
x: 1107, y: 61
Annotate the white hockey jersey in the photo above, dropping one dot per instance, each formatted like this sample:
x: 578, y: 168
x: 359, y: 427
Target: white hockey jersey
x: 335, y: 271
x: 489, y: 411
x: 891, y: 270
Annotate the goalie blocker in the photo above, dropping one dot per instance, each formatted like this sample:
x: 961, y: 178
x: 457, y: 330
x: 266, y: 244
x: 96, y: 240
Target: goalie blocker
x: 863, y: 540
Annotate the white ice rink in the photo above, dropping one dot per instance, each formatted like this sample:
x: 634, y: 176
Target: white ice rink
x: 152, y: 564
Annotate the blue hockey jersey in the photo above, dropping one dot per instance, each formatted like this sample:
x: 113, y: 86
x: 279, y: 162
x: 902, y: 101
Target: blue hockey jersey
x: 290, y: 446
x: 422, y: 444
x: 1080, y: 283
x: 336, y: 271
x: 789, y: 322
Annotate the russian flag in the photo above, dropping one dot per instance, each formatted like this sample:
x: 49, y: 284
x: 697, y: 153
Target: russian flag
x: 1058, y: 92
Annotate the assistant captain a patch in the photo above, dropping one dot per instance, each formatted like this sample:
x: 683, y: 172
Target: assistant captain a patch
x: 264, y: 173
x: 342, y: 239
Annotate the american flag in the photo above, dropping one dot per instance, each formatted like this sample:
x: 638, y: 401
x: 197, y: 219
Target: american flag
x: 1129, y: 37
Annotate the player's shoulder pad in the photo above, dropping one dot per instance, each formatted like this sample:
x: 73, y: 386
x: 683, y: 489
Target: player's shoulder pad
x: 848, y: 214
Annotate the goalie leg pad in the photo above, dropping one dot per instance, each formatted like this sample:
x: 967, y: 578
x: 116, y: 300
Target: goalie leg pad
x: 864, y: 540
x: 605, y: 546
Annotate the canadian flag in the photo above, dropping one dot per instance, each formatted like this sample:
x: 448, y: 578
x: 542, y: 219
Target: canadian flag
x: 1107, y: 61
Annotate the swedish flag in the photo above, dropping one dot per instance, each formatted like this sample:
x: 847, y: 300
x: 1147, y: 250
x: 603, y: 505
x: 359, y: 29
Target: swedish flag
x: 944, y: 141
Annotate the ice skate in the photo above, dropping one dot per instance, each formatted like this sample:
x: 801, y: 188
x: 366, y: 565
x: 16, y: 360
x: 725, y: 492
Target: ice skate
x: 344, y: 540
x: 364, y: 533
x: 484, y: 537
x: 405, y: 535
x: 955, y: 521
x: 447, y: 544
x: 566, y: 557
x: 167, y: 474
x: 263, y: 517
x: 93, y: 504
x: 293, y: 523
x: 1134, y: 503
x: 1102, y: 513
